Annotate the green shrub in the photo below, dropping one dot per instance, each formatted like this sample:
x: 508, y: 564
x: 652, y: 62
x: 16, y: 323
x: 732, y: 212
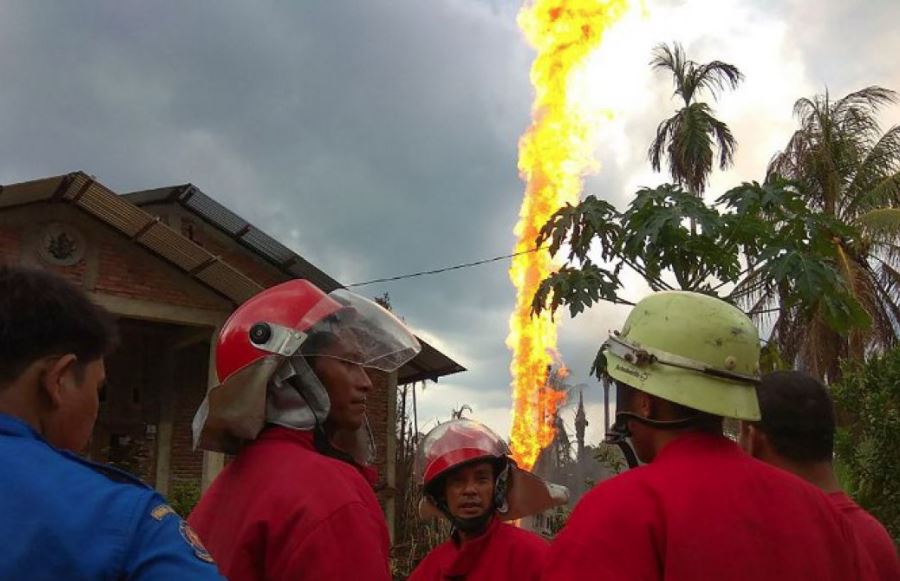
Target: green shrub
x: 867, y: 400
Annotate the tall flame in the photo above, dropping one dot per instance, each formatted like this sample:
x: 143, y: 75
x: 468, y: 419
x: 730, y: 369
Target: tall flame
x: 554, y: 155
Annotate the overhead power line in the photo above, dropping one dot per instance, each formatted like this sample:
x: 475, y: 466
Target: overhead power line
x: 446, y: 269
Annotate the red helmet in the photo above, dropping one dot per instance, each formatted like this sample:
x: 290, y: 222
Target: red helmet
x: 287, y: 322
x: 455, y: 443
x: 250, y: 332
x: 517, y: 493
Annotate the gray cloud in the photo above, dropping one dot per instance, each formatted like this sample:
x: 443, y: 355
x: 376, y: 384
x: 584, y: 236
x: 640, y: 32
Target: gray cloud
x: 375, y: 138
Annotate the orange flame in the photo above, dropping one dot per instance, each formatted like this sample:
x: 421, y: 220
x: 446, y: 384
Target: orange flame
x: 554, y: 155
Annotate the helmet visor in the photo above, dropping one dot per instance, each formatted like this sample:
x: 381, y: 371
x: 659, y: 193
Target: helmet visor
x: 361, y: 332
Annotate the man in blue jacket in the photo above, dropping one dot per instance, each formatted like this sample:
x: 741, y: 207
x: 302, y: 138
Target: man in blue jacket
x: 62, y: 517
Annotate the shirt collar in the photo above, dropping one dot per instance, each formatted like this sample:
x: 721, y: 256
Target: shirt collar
x: 691, y: 441
x: 467, y: 555
x: 13, y: 426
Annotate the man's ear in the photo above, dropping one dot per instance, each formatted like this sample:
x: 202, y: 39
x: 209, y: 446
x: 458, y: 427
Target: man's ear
x: 756, y: 440
x: 745, y: 436
x: 644, y: 405
x: 56, y: 378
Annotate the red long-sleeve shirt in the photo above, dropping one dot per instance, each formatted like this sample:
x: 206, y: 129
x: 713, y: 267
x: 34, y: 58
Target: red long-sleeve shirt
x: 703, y: 509
x: 502, y: 552
x: 282, y: 510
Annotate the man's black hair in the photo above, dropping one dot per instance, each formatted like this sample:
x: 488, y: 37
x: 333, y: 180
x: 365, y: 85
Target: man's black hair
x: 797, y: 416
x: 43, y: 314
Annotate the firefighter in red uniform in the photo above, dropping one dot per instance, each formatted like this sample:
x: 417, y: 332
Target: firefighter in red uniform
x: 467, y: 476
x: 796, y: 434
x: 291, y: 403
x: 701, y: 508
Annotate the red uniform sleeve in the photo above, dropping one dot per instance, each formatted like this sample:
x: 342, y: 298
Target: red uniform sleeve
x: 611, y: 535
x: 349, y: 545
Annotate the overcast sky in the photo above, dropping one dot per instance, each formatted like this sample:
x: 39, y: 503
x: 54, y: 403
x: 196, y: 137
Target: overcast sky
x: 379, y: 138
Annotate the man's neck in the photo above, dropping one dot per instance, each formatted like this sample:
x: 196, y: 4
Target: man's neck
x: 13, y: 403
x: 819, y: 474
x: 465, y: 537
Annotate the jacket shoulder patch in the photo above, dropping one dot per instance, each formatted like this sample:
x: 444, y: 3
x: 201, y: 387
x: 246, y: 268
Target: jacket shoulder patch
x: 192, y: 539
x: 161, y: 511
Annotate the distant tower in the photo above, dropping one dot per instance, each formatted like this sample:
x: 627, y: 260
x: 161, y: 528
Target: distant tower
x: 580, y: 424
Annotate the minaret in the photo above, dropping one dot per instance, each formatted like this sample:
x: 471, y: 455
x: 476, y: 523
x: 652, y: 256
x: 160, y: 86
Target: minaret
x: 580, y: 424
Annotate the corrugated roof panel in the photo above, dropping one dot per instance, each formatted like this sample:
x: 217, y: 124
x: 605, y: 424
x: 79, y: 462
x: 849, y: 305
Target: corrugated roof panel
x: 213, y: 211
x: 267, y: 246
x: 235, y: 285
x: 166, y: 242
x: 152, y: 196
x: 303, y: 269
x: 126, y: 217
x: 429, y: 364
x: 28, y: 192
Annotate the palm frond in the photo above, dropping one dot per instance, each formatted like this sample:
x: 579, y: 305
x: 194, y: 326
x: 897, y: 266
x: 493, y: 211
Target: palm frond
x: 871, y: 98
x: 725, y: 141
x: 715, y: 77
x: 664, y: 134
x: 881, y: 224
x: 876, y: 181
x: 673, y: 60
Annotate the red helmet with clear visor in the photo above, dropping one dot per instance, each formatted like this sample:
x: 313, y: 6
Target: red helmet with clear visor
x: 288, y: 322
x: 518, y: 493
x: 252, y: 331
x: 455, y: 443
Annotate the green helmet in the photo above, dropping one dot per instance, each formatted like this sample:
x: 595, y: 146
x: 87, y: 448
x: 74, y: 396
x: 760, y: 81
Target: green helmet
x: 690, y: 349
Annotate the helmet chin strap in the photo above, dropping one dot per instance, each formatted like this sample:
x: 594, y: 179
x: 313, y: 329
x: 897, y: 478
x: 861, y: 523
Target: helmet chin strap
x: 678, y: 424
x: 473, y: 525
x: 477, y: 524
x: 320, y: 438
x: 619, y: 434
x: 469, y: 526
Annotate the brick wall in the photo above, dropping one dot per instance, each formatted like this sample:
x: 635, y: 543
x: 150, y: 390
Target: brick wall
x: 377, y: 405
x: 15, y: 248
x: 190, y: 388
x: 132, y: 273
x: 10, y: 244
x: 112, y: 264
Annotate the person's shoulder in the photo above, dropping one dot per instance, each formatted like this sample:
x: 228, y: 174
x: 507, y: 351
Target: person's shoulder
x: 619, y: 506
x: 108, y: 474
x: 306, y: 480
x: 635, y: 482
x: 525, y: 538
x: 430, y: 563
x: 864, y: 525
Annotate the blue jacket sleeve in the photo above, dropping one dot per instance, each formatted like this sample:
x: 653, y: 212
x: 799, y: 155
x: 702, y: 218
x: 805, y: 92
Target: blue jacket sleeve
x: 163, y: 546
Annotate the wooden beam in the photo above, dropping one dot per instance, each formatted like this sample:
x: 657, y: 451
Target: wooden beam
x: 150, y: 311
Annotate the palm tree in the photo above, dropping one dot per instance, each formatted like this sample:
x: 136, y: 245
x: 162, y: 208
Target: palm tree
x: 847, y: 168
x: 688, y: 139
